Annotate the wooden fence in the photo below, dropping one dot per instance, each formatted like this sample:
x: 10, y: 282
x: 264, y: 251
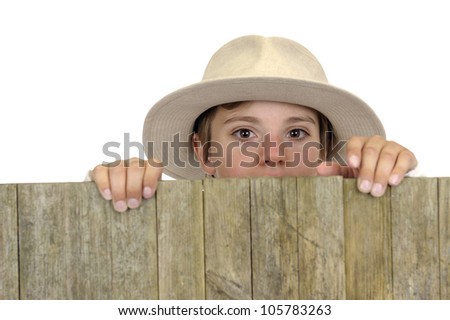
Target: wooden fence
x: 304, y: 238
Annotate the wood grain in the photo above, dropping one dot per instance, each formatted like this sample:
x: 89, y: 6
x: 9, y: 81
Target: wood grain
x: 65, y: 235
x: 9, y: 262
x: 321, y: 238
x: 181, y: 240
x: 415, y: 239
x: 274, y: 238
x: 368, y: 244
x: 134, y: 253
x: 444, y: 233
x: 227, y: 239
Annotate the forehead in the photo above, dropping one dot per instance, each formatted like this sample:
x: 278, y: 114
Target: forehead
x: 266, y: 109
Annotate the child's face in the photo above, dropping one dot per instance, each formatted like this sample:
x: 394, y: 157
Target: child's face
x: 261, y: 138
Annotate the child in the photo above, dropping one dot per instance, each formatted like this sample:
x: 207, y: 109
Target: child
x: 263, y: 108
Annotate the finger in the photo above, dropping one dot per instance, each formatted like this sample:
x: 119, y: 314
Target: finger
x: 369, y: 159
x: 353, y: 151
x: 153, y: 173
x: 385, y: 165
x: 135, y: 173
x: 406, y: 161
x: 100, y: 175
x: 118, y: 179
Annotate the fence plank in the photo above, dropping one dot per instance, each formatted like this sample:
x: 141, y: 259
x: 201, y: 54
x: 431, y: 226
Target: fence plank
x: 274, y: 238
x: 134, y: 253
x: 444, y: 232
x: 227, y: 239
x: 367, y: 244
x: 321, y: 238
x: 415, y: 239
x: 64, y: 242
x: 180, y: 240
x: 9, y: 264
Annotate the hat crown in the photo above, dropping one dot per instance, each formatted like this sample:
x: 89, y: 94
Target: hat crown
x: 257, y: 56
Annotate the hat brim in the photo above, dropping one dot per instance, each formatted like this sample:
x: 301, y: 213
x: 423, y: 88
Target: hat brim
x: 170, y: 121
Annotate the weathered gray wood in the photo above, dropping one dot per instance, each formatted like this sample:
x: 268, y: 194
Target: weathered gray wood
x: 227, y: 239
x: 64, y: 242
x: 180, y: 240
x: 321, y: 238
x: 444, y: 232
x: 260, y: 238
x: 134, y: 253
x: 9, y: 264
x: 415, y: 239
x: 367, y: 244
x: 274, y: 238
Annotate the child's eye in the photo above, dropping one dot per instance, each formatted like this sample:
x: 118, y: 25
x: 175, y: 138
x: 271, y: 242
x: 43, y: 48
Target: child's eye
x: 243, y: 134
x: 297, y: 134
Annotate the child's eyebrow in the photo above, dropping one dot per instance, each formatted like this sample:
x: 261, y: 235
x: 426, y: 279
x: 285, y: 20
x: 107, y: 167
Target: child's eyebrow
x: 301, y: 119
x: 242, y: 118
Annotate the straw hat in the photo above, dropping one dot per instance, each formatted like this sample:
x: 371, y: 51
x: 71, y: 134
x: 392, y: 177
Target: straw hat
x: 251, y: 68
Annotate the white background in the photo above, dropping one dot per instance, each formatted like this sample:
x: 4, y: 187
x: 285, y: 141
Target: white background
x: 77, y: 74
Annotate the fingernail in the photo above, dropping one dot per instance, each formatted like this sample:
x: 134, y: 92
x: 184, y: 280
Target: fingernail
x: 353, y: 161
x: 394, y: 180
x: 147, y: 193
x: 120, y: 206
x: 365, y: 186
x: 133, y: 203
x: 377, y: 190
x: 107, y: 194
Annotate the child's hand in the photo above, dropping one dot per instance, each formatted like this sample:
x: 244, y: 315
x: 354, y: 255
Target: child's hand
x: 375, y: 163
x: 127, y: 182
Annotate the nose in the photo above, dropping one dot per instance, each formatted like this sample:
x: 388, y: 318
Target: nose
x: 273, y: 150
